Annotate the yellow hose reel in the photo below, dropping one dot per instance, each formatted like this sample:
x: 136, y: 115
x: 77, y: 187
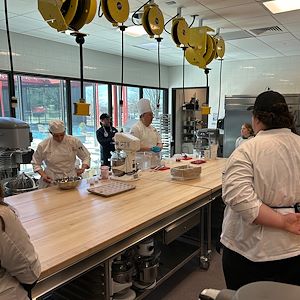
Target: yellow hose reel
x: 115, y: 11
x: 202, y: 47
x: 67, y: 14
x: 195, y: 57
x: 180, y: 32
x: 210, y: 49
x: 153, y: 20
x: 220, y: 47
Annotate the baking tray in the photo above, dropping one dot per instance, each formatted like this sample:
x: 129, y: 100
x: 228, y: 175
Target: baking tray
x: 111, y: 189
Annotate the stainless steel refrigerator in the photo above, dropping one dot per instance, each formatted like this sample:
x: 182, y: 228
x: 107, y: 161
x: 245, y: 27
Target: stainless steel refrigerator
x: 236, y: 114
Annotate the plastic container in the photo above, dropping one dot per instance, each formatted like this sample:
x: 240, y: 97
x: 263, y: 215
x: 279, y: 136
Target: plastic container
x: 104, y: 172
x: 143, y: 160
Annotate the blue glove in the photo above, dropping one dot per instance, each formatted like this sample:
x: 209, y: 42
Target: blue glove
x: 155, y: 149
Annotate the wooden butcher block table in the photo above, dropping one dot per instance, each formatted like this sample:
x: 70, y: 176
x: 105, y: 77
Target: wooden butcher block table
x: 211, y: 175
x: 71, y: 229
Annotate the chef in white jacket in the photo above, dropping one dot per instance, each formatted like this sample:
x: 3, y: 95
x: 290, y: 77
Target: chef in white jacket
x: 55, y: 157
x: 148, y: 135
x: 20, y: 265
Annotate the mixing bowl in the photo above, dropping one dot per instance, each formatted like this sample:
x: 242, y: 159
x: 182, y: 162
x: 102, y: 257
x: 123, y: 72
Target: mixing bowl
x: 68, y: 183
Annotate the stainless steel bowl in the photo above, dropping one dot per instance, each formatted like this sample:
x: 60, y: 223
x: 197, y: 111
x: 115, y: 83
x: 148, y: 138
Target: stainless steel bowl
x: 68, y: 183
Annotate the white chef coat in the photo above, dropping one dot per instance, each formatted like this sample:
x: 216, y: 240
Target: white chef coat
x: 240, y: 140
x: 59, y: 158
x: 148, y: 135
x: 19, y: 262
x: 266, y: 170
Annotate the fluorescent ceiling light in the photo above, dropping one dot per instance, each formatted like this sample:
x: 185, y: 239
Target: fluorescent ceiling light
x: 136, y: 30
x: 89, y: 68
x: 6, y: 53
x: 279, y: 6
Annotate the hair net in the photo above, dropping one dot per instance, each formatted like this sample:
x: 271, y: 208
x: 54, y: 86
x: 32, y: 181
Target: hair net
x: 56, y: 126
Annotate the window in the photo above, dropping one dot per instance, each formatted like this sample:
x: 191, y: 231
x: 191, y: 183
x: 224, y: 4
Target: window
x: 4, y: 96
x: 155, y: 96
x: 130, y: 97
x: 84, y: 127
x: 40, y: 101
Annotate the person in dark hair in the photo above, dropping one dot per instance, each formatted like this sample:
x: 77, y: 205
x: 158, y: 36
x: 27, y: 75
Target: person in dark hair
x: 20, y: 267
x: 246, y: 134
x: 261, y: 226
x: 105, y: 136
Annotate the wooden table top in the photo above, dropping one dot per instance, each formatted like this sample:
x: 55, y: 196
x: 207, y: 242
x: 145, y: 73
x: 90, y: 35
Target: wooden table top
x: 210, y: 178
x: 68, y: 226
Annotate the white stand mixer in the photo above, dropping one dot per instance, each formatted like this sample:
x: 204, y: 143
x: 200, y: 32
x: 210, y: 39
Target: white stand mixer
x: 123, y: 160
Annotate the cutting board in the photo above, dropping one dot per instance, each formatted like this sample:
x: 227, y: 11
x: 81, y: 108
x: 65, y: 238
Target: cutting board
x: 111, y: 189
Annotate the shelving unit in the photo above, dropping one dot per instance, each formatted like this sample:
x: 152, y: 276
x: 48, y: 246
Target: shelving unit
x: 163, y: 125
x: 189, y: 127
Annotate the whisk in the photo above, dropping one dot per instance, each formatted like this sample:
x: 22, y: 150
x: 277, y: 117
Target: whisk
x: 22, y: 181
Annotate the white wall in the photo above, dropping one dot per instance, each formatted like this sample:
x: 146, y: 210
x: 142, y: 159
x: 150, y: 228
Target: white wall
x: 241, y: 78
x: 63, y: 60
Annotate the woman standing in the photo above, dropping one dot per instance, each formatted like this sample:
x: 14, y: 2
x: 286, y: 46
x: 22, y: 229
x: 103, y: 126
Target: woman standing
x: 55, y: 157
x: 246, y: 134
x: 20, y: 266
x: 261, y: 228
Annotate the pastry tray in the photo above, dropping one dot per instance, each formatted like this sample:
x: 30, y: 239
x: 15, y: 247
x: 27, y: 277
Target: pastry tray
x: 111, y: 189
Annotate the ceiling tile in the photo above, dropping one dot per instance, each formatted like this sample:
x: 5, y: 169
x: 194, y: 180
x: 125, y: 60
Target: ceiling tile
x: 280, y: 37
x: 19, y: 7
x: 223, y: 3
x: 237, y: 13
x: 228, y: 15
x: 288, y: 17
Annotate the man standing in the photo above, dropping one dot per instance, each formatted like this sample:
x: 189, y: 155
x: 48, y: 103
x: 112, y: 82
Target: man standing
x: 148, y: 135
x: 105, y: 136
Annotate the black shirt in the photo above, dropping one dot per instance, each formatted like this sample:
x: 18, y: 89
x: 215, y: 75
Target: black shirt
x: 105, y: 136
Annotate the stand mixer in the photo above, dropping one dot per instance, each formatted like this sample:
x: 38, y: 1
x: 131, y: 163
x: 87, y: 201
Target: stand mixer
x: 15, y: 140
x: 123, y: 160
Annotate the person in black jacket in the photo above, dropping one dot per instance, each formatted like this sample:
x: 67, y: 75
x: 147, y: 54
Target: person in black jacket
x: 105, y: 136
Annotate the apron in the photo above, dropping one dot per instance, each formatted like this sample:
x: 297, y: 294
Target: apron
x: 60, y: 162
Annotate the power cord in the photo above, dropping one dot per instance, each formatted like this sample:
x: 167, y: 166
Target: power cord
x: 13, y: 99
x: 220, y: 88
x: 158, y: 39
x: 132, y: 17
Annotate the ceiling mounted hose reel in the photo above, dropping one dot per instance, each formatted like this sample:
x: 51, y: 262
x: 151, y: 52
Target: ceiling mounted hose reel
x: 202, y: 47
x: 195, y: 57
x: 180, y: 32
x: 85, y: 13
x: 211, y: 49
x: 115, y: 11
x: 153, y: 20
x: 220, y: 47
x: 67, y: 14
x: 81, y: 108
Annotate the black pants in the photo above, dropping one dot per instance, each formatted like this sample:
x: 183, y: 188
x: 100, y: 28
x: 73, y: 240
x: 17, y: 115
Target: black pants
x: 239, y: 271
x: 28, y: 288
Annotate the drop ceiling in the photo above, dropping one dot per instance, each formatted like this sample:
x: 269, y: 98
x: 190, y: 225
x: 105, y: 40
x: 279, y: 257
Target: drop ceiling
x: 249, y: 29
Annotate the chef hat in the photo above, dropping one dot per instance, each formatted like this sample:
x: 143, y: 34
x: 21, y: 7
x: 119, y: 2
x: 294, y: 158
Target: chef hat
x: 56, y: 126
x: 144, y: 106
